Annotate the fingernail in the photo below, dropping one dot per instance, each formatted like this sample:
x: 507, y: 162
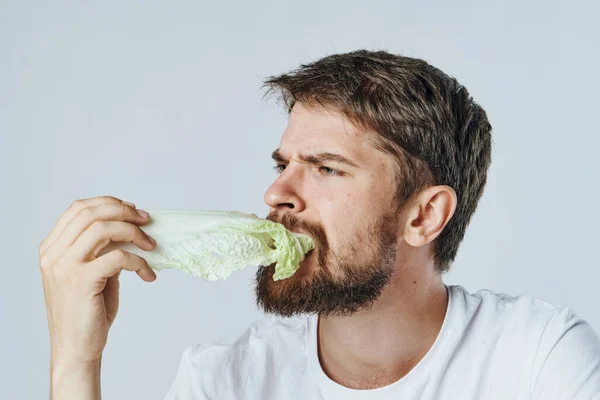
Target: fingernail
x: 142, y: 213
x: 129, y: 204
x: 151, y: 239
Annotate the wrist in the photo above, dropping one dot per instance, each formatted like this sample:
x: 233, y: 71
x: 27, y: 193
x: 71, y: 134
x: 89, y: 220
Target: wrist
x: 75, y: 378
x: 62, y: 367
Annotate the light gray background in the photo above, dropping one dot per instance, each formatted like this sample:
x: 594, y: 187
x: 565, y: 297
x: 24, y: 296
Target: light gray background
x: 159, y: 103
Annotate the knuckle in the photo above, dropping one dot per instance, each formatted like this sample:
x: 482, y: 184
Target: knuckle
x: 135, y: 230
x: 99, y: 226
x: 119, y: 255
x: 58, y: 268
x: 125, y: 209
x: 85, y: 213
x: 45, y: 262
x: 128, y: 230
x: 78, y: 204
x: 110, y: 199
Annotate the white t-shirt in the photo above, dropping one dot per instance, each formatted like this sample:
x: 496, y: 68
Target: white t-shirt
x: 491, y: 346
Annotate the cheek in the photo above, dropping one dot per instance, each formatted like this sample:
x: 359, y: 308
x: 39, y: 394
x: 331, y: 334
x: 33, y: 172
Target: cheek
x: 338, y: 212
x: 347, y: 230
x: 329, y: 205
x: 345, y: 217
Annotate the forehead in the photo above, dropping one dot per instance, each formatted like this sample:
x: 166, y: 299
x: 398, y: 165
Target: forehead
x: 315, y: 129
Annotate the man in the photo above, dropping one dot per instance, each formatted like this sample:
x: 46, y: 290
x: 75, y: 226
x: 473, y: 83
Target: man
x: 383, y: 162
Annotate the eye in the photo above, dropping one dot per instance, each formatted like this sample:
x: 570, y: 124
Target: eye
x: 326, y: 171
x: 329, y: 171
x: 279, y: 168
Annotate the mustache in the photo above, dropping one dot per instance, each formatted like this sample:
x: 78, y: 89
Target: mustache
x: 290, y: 221
x: 293, y: 222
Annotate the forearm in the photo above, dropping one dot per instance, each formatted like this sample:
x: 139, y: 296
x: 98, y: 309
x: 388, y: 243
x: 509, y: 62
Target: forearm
x: 75, y: 381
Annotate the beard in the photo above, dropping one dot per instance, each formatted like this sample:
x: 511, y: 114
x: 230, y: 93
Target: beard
x: 341, y: 284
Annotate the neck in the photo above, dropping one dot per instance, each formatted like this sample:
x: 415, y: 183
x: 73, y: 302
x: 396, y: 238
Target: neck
x: 378, y: 346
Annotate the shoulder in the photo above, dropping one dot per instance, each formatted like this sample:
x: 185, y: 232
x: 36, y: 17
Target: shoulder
x: 261, y: 343
x: 560, y: 350
x: 522, y: 324
x: 567, y: 358
x: 517, y: 312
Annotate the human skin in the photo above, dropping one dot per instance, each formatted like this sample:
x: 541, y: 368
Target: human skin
x: 379, y: 345
x: 81, y: 290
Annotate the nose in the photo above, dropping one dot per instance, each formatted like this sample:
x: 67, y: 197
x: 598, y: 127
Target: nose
x: 284, y: 193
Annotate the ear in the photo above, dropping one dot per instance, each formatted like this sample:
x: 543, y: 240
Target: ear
x: 428, y: 214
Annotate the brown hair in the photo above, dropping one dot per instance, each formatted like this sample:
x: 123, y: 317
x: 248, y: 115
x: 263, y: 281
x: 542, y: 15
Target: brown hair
x: 420, y: 115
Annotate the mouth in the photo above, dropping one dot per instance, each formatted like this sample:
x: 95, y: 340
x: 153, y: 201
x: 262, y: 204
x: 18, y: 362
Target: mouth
x: 296, y: 231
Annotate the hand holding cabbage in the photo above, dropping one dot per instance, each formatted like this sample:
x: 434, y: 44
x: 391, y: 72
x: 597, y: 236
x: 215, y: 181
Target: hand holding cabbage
x: 97, y: 238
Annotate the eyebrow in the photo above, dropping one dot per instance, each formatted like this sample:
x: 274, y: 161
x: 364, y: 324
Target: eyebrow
x: 318, y: 158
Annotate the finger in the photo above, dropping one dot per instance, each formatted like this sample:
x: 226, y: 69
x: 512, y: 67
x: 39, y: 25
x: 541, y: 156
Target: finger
x: 86, y: 217
x: 117, y: 260
x: 68, y: 215
x: 101, y: 233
